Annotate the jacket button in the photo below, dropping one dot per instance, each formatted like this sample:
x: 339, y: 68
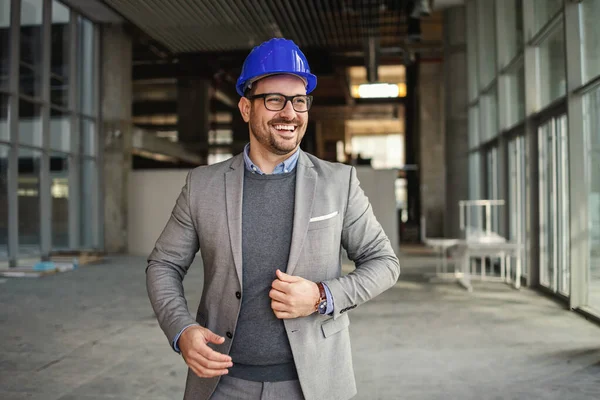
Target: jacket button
x: 238, y: 295
x: 229, y: 335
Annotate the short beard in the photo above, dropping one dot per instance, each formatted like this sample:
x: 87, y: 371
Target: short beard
x: 270, y: 141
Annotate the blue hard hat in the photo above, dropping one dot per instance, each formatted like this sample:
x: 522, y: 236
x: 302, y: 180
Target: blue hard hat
x: 275, y: 56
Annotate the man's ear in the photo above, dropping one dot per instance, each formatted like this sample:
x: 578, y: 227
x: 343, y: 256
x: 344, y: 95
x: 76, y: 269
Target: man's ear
x: 245, y: 106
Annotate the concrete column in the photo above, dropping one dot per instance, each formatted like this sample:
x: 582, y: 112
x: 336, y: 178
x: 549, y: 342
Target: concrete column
x: 240, y: 132
x: 117, y: 133
x: 432, y: 146
x: 193, y: 113
x: 456, y: 119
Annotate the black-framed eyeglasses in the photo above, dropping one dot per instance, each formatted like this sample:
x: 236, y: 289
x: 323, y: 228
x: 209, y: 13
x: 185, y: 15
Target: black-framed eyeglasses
x: 277, y: 101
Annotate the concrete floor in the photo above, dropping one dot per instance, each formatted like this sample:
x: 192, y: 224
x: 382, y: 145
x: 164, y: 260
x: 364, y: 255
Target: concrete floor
x: 91, y: 334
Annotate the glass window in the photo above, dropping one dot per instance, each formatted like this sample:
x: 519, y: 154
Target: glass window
x: 473, y: 127
x: 511, y: 29
x: 88, y: 205
x: 592, y: 138
x: 590, y: 39
x: 474, y: 176
x: 554, y: 205
x: 29, y: 201
x: 492, y: 183
x: 4, y: 152
x: 59, y: 79
x: 4, y: 43
x: 487, y: 42
x: 4, y: 110
x: 551, y: 62
x: 87, y: 65
x: 543, y: 11
x: 516, y: 96
x: 31, y: 47
x: 517, y: 188
x: 489, y: 115
x: 30, y: 123
x: 473, y: 82
x: 59, y: 175
x: 60, y: 130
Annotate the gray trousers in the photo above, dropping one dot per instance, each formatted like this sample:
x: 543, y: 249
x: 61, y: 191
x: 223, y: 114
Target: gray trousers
x: 230, y: 388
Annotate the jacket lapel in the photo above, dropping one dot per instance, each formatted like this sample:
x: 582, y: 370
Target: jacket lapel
x: 306, y: 183
x: 234, y: 184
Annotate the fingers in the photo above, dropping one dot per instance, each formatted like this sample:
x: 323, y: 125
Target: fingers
x: 211, y: 355
x: 203, y: 371
x: 277, y: 295
x: 284, y: 315
x: 287, y: 278
x: 280, y: 285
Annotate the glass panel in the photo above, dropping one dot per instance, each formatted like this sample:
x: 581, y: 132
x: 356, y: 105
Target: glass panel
x: 4, y: 152
x: 474, y: 176
x: 88, y: 205
x: 59, y: 78
x: 489, y: 114
x: 554, y: 206
x: 487, y: 42
x: 511, y: 18
x: 30, y: 123
x: 592, y: 137
x: 86, y: 66
x: 546, y: 206
x: 4, y: 43
x: 4, y: 111
x: 29, y: 201
x: 31, y: 47
x: 59, y: 175
x: 551, y: 63
x: 517, y: 195
x: 88, y: 137
x: 562, y: 202
x: 473, y: 126
x: 492, y: 185
x: 472, y: 50
x: 590, y: 39
x: 516, y: 95
x: 543, y: 11
x: 60, y: 130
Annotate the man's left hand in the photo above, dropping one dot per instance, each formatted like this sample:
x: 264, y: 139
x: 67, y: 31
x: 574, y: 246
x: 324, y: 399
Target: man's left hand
x: 293, y: 296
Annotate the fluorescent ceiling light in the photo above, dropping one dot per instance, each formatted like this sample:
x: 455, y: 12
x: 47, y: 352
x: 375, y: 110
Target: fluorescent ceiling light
x: 379, y: 90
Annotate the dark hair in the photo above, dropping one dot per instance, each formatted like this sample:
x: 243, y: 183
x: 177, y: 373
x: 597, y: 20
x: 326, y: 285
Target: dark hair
x: 249, y: 91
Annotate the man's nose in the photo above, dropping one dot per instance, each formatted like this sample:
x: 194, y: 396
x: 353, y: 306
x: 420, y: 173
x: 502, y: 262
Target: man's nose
x: 288, y: 111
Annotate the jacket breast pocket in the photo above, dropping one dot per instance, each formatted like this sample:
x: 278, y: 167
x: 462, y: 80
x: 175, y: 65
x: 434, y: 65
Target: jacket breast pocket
x: 323, y: 221
x: 333, y: 326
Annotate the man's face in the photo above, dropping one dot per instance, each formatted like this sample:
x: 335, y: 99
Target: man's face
x: 278, y: 132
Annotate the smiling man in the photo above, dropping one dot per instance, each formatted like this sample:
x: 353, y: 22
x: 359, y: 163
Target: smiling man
x: 270, y: 224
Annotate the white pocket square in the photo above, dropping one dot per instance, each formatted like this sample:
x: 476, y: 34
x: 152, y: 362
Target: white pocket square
x: 323, y: 217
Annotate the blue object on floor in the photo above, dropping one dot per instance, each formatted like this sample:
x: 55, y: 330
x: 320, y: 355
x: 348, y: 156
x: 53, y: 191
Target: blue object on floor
x: 44, y: 266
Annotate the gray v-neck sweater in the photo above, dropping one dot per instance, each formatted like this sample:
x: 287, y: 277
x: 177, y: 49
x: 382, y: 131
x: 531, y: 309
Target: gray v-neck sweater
x: 260, y: 349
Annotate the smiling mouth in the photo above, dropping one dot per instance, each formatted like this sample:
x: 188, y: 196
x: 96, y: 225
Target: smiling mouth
x: 284, y: 128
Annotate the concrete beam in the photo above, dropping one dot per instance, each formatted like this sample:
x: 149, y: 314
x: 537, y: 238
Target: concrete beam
x: 147, y: 144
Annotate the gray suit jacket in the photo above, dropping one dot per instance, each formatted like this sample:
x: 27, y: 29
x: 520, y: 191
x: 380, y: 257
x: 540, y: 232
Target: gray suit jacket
x: 331, y: 211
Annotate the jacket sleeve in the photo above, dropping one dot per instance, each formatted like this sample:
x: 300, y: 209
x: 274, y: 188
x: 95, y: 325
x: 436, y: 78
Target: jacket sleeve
x: 377, y: 267
x: 168, y: 264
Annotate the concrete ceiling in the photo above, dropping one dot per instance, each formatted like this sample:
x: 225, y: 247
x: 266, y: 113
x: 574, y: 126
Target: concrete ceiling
x: 188, y: 26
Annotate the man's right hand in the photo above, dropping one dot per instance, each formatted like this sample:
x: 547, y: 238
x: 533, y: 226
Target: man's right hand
x: 204, y: 361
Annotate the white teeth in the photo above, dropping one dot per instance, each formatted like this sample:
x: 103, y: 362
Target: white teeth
x: 285, y: 127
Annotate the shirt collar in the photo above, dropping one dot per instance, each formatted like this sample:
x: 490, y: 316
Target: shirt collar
x: 286, y: 166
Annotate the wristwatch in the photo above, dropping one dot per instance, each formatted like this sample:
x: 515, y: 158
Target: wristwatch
x: 321, y: 305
